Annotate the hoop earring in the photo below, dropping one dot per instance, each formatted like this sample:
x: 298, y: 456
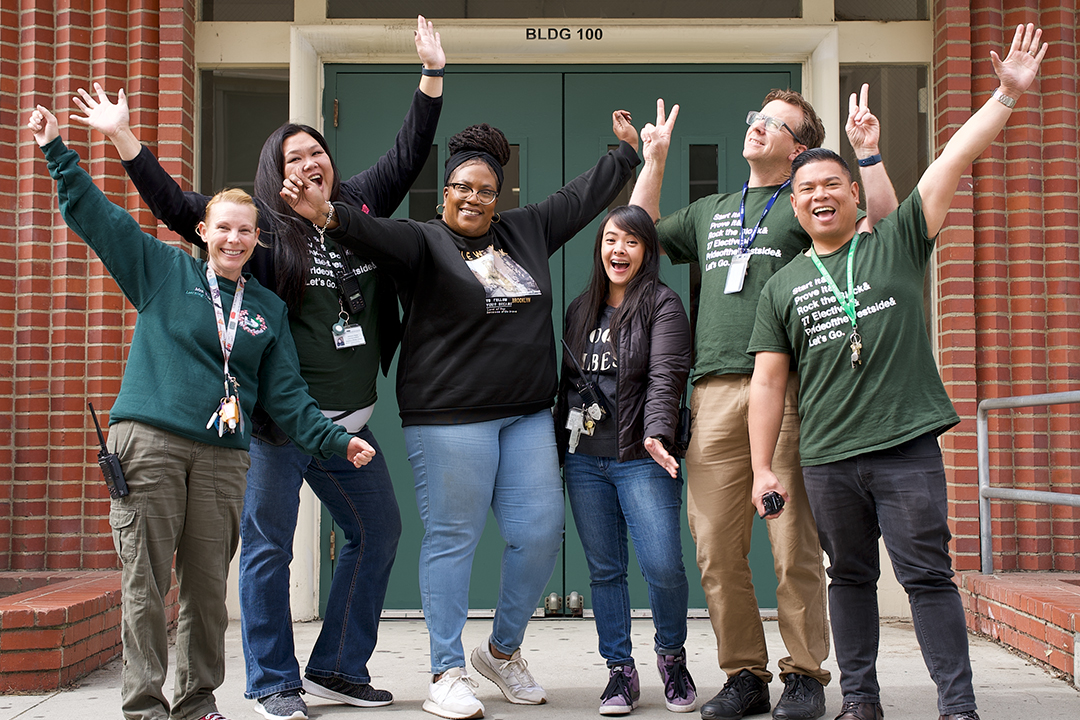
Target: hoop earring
x: 495, y: 218
x: 437, y: 210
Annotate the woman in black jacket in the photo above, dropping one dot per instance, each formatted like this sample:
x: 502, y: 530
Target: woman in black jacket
x: 630, y: 339
x: 344, y: 319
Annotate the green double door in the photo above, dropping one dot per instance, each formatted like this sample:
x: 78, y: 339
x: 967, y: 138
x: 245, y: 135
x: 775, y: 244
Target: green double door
x: 558, y: 120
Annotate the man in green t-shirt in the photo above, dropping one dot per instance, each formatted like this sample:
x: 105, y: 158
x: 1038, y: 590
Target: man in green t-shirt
x: 849, y: 313
x: 739, y: 240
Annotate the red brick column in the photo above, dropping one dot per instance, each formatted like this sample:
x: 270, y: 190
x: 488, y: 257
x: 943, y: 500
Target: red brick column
x: 1006, y: 278
x: 63, y: 322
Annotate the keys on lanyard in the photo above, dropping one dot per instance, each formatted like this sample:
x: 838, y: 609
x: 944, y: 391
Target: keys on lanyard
x: 228, y: 416
x: 856, y: 348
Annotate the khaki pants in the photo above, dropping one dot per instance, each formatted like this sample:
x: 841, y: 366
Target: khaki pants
x: 719, y: 484
x: 185, y: 500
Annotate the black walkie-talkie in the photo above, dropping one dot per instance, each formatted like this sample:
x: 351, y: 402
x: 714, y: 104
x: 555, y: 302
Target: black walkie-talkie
x: 109, y: 463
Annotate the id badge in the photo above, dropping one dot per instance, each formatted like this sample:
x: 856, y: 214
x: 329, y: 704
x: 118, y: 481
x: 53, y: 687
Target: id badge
x: 347, y: 336
x: 736, y: 273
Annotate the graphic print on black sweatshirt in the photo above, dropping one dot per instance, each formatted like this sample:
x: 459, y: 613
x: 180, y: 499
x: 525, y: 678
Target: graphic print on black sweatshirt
x: 505, y: 282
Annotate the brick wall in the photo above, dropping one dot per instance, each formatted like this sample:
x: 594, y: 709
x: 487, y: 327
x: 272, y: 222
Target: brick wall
x: 1008, y: 303
x: 63, y: 322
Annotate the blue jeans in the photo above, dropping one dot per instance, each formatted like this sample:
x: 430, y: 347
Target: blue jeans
x: 897, y: 494
x: 607, y: 498
x: 362, y: 502
x: 511, y: 466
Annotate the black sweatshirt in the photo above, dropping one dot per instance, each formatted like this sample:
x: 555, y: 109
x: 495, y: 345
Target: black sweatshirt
x: 478, y: 342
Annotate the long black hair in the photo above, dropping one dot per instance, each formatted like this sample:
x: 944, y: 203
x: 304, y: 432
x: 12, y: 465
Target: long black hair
x: 640, y: 295
x: 291, y: 233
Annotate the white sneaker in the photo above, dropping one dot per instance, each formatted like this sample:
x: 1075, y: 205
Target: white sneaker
x: 452, y: 696
x: 512, y: 676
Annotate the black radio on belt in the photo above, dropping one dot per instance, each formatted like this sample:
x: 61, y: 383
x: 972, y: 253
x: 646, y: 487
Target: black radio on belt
x: 109, y: 463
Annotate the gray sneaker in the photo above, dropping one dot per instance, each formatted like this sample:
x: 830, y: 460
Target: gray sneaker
x: 286, y: 705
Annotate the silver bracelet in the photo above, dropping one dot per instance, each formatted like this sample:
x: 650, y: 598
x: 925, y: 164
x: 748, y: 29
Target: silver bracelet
x: 1004, y: 99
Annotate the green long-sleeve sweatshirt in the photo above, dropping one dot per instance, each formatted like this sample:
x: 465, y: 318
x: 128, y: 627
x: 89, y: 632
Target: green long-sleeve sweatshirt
x: 174, y: 375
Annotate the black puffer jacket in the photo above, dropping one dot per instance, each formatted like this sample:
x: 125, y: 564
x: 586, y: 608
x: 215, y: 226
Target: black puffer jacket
x: 654, y: 361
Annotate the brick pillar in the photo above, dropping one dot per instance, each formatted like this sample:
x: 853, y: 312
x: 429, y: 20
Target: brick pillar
x: 1006, y: 278
x: 65, y: 326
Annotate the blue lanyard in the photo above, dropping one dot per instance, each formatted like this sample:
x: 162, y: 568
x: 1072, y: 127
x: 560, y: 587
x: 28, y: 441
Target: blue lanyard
x: 745, y: 244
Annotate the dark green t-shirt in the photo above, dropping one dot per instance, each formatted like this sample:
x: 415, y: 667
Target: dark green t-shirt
x: 339, y: 379
x: 707, y: 232
x: 896, y: 393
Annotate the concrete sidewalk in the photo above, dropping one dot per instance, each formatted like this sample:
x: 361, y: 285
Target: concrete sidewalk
x: 562, y: 655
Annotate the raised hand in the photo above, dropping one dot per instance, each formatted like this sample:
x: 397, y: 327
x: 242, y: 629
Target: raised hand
x: 656, y: 138
x: 108, y: 118
x: 306, y: 199
x: 662, y: 457
x: 429, y: 44
x: 1019, y: 68
x: 623, y: 127
x: 44, y: 125
x: 863, y: 128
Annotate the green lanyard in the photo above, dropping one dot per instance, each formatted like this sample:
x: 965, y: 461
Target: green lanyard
x: 846, y: 299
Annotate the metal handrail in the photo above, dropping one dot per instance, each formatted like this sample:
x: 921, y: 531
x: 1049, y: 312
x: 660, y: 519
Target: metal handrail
x: 986, y: 492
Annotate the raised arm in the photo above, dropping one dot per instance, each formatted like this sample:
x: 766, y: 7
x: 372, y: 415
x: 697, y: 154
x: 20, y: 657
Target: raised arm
x: 384, y: 185
x: 180, y: 211
x: 1015, y: 73
x: 381, y: 239
x: 429, y: 48
x: 864, y: 134
x: 655, y: 139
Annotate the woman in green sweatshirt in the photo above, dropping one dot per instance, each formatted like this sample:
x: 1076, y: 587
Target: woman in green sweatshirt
x: 190, y: 359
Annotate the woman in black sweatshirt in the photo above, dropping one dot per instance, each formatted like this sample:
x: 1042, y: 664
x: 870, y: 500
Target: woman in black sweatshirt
x: 476, y: 382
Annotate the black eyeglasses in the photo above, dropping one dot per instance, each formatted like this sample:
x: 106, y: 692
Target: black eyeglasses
x: 771, y: 124
x: 464, y: 192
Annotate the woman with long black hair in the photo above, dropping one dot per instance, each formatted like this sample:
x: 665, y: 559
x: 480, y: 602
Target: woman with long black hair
x: 343, y: 316
x: 630, y: 340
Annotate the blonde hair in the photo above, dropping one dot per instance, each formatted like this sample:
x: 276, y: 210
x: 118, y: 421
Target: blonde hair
x: 236, y: 196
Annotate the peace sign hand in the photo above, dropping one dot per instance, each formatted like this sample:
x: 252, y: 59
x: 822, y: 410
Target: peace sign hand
x: 656, y: 138
x: 863, y: 128
x: 1019, y: 68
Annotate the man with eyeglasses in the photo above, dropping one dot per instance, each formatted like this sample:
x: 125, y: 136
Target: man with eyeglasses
x: 739, y: 240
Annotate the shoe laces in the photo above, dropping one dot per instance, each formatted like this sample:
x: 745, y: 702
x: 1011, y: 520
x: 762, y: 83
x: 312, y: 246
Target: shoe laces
x: 797, y: 687
x: 466, y: 679
x: 677, y: 681
x: 516, y: 669
x: 619, y: 683
x: 737, y: 684
x: 213, y: 716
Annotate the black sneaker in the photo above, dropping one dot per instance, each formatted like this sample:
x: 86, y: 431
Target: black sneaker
x: 343, y: 691
x: 286, y: 705
x: 803, y: 699
x: 743, y: 694
x: 965, y: 715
